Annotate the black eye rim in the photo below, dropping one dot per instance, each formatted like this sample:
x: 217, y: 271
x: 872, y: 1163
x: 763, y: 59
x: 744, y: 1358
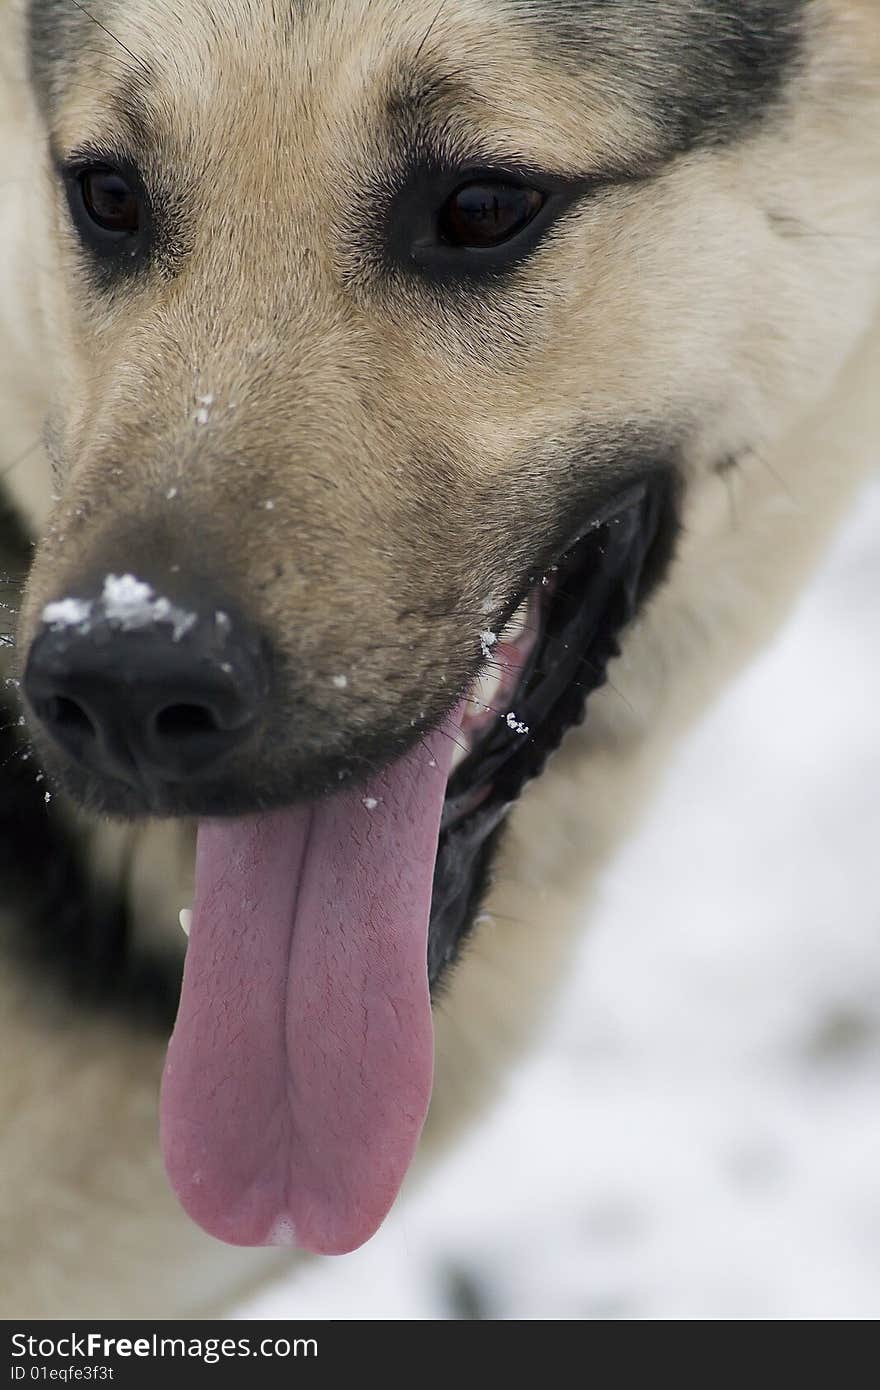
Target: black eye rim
x: 410, y: 240
x: 127, y: 248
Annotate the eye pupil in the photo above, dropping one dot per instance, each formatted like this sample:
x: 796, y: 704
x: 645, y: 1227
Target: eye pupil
x: 488, y: 214
x: 109, y: 201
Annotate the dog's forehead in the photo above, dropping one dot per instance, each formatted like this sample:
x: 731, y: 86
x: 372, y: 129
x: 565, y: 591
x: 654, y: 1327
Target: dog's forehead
x: 561, y: 83
x: 317, y: 79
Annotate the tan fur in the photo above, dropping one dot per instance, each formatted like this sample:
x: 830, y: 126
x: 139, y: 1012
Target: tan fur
x: 676, y: 300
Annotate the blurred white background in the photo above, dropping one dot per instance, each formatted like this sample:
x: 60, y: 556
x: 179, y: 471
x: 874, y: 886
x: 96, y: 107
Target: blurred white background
x: 698, y: 1137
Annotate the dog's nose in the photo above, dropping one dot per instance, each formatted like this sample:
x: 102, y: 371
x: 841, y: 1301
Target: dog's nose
x: 162, y: 698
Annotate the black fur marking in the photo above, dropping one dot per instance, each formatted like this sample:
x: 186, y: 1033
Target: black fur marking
x: 69, y: 935
x: 705, y: 71
x: 50, y: 47
x: 60, y: 33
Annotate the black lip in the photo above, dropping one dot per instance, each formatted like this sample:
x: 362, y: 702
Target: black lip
x: 601, y: 582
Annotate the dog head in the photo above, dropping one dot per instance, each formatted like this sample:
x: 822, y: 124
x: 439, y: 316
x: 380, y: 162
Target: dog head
x: 392, y: 341
x: 363, y: 319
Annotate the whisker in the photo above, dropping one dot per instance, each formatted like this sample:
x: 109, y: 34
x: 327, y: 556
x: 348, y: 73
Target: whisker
x: 144, y: 67
x: 446, y: 734
x: 430, y: 29
x: 20, y: 458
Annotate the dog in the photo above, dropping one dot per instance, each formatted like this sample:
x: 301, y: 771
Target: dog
x: 414, y: 413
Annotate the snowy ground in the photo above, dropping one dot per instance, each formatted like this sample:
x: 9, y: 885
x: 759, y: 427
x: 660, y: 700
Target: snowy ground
x: 699, y: 1137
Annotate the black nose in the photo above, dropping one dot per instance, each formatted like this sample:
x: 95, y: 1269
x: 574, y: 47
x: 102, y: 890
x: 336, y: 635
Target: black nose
x: 150, y: 694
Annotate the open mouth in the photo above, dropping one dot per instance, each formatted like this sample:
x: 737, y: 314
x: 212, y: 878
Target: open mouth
x: 301, y: 1066
x: 539, y: 672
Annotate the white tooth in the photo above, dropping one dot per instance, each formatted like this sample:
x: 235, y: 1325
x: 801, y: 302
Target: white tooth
x: 518, y: 624
x: 482, y: 693
x: 186, y: 918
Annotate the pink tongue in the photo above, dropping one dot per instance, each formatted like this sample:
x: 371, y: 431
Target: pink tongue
x: 299, y: 1073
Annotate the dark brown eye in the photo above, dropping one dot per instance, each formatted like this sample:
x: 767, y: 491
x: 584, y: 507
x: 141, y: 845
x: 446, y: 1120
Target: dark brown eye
x: 488, y: 214
x: 109, y: 201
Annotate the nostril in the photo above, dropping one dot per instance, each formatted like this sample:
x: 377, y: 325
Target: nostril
x: 177, y: 723
x: 69, y: 717
x: 146, y: 706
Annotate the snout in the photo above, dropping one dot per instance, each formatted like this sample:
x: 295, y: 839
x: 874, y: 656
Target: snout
x: 144, y: 689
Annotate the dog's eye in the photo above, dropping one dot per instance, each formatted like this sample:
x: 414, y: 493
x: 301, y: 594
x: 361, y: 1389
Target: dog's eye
x: 109, y: 201
x: 486, y: 214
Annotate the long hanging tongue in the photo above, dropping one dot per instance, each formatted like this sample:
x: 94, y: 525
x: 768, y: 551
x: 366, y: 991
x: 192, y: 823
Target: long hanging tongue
x: 300, y: 1069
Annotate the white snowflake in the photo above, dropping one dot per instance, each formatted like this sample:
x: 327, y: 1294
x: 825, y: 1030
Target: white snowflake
x: 67, y: 612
